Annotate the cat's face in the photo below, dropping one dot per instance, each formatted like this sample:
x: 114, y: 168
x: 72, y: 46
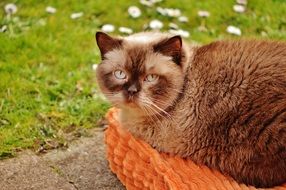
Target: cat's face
x: 141, y: 76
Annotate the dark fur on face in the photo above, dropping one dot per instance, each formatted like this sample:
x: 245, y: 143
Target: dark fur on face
x: 222, y: 105
x: 161, y: 59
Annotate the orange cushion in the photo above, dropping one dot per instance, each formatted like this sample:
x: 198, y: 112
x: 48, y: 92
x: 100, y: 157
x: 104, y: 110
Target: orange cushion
x: 139, y: 166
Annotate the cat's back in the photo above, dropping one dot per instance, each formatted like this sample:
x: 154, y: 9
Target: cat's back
x: 240, y: 83
x: 249, y: 61
x: 241, y: 53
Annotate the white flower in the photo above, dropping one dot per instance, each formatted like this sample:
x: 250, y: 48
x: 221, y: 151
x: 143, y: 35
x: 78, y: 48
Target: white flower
x: 183, y: 19
x: 173, y: 12
x: 203, y: 13
x: 108, y: 28
x: 76, y: 15
x: 156, y: 24
x: 149, y: 3
x: 125, y: 30
x: 3, y: 28
x: 10, y: 8
x: 51, y: 10
x: 242, y: 2
x: 173, y: 26
x: 94, y: 66
x: 134, y: 11
x: 169, y: 12
x: 180, y: 32
x: 162, y: 11
x: 239, y: 8
x: 233, y: 30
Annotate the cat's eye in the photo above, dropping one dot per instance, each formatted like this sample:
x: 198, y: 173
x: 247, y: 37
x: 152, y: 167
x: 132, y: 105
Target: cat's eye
x: 119, y: 74
x: 151, y: 78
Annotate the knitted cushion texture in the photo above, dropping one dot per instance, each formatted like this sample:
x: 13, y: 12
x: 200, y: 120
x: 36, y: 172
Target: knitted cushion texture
x: 139, y: 166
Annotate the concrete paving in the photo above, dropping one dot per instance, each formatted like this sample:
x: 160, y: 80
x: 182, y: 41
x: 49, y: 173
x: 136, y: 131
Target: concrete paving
x: 82, y: 166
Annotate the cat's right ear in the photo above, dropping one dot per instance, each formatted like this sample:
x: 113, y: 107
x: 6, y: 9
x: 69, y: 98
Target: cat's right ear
x: 106, y: 43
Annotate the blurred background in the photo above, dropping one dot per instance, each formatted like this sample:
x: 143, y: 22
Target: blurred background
x: 48, y: 54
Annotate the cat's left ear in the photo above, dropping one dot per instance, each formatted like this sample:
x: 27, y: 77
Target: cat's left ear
x: 171, y: 47
x: 106, y: 43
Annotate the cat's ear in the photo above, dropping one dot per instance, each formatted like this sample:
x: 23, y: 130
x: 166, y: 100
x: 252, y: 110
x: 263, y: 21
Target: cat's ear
x: 106, y: 43
x: 171, y: 47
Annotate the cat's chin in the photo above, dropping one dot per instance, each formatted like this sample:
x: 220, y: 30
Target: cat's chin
x: 128, y: 106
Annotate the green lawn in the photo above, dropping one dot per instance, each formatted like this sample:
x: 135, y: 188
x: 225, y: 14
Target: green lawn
x: 48, y: 90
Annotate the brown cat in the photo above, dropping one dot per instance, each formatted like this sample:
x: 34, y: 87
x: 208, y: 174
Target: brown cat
x: 221, y: 104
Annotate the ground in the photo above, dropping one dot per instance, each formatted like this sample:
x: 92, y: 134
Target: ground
x: 82, y: 166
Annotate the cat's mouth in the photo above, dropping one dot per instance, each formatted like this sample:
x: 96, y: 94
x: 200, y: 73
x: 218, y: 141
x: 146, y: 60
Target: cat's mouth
x: 131, y: 100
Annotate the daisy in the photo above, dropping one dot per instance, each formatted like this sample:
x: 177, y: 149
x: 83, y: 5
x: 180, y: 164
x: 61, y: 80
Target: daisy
x: 108, y: 28
x: 202, y: 13
x: 134, y: 11
x: 76, y: 15
x: 233, y: 30
x: 10, y: 8
x: 51, y: 10
x: 156, y: 24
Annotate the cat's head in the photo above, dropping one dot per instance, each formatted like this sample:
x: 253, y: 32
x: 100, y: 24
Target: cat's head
x: 143, y: 72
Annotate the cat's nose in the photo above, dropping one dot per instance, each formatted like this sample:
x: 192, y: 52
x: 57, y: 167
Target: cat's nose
x: 132, y: 89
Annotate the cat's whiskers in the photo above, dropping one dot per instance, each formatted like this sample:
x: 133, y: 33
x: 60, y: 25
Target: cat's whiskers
x: 156, y: 110
x: 145, y: 110
x: 160, y: 103
x: 159, y: 108
x: 148, y: 104
x: 154, y: 115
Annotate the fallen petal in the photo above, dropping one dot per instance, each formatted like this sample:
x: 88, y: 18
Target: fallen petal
x: 156, y: 24
x: 134, y: 11
x: 51, y: 10
x: 108, y: 28
x: 125, y: 30
x: 239, y: 8
x: 10, y: 8
x: 76, y: 15
x: 233, y: 30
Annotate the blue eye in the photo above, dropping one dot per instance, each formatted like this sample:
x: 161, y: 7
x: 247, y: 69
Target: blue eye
x: 151, y: 78
x: 119, y: 74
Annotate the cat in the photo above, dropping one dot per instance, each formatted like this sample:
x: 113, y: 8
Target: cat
x: 222, y: 104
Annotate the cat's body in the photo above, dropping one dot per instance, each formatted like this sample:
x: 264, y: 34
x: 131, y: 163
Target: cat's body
x: 227, y: 109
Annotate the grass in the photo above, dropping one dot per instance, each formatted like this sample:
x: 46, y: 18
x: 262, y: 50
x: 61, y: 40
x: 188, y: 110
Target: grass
x: 47, y: 83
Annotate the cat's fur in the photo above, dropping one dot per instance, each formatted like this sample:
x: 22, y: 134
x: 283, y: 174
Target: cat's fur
x: 221, y: 104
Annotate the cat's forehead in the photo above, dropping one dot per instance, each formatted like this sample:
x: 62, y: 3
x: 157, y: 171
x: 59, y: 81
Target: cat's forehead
x: 131, y: 59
